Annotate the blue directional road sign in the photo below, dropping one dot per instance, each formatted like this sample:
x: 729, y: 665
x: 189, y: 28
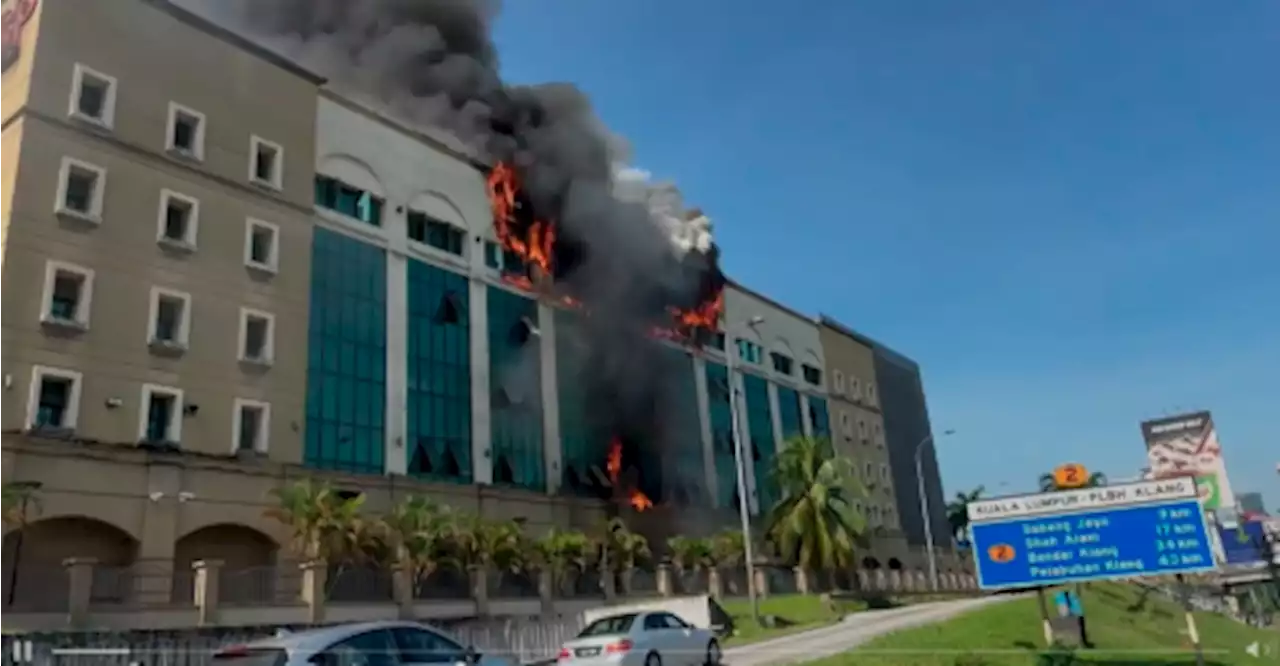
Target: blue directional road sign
x: 1140, y: 529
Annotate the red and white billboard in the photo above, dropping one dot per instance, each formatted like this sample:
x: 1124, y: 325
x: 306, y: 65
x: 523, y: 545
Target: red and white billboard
x: 1187, y: 445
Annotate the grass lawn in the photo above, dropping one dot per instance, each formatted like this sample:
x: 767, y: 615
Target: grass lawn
x: 1126, y: 628
x: 796, y: 612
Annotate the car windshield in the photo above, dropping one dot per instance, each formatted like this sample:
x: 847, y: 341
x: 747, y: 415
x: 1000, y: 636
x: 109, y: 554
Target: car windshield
x: 608, y: 626
x: 250, y: 657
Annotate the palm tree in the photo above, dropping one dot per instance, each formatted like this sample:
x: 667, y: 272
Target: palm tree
x: 419, y: 532
x: 324, y: 523
x: 815, y: 525
x: 621, y: 550
x: 728, y: 550
x: 18, y: 499
x: 958, y: 513
x: 691, y: 556
x: 558, y: 553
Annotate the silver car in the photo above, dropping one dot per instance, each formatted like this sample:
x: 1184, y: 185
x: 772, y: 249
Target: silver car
x: 386, y: 643
x: 653, y: 638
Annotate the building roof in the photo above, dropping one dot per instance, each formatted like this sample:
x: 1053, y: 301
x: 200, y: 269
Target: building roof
x: 887, y: 352
x: 209, y: 27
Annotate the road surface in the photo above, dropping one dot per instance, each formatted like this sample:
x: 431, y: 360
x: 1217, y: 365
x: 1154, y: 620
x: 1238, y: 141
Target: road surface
x: 853, y: 631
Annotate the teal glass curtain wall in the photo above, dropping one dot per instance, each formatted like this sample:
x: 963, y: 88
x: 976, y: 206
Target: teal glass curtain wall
x: 722, y: 436
x: 346, y: 363
x: 581, y: 447
x: 789, y: 414
x: 763, y: 450
x: 819, y: 419
x: 515, y: 399
x: 439, y: 375
x: 684, y: 478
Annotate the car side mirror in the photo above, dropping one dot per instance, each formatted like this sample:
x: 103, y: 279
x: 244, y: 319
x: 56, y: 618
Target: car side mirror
x: 470, y: 657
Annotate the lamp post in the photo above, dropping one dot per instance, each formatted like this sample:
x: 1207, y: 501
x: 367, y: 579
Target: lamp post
x: 924, y: 509
x: 740, y: 462
x: 27, y: 488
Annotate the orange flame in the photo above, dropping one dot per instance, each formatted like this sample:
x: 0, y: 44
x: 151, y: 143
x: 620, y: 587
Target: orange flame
x: 613, y: 466
x: 537, y: 245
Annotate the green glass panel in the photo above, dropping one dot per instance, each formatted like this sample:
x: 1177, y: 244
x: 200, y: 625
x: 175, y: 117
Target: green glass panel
x: 515, y: 397
x: 760, y: 425
x: 346, y: 368
x: 438, y: 445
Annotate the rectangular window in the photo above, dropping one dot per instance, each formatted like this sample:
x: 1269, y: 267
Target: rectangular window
x: 339, y: 197
x: 179, y: 219
x: 717, y: 340
x: 837, y: 382
x: 436, y: 233
x: 81, y: 186
x: 93, y: 96
x: 266, y: 163
x: 862, y: 429
x: 170, y: 318
x: 185, y: 132
x: 782, y: 364
x: 261, y: 245
x: 257, y: 333
x: 871, y: 394
x: 492, y: 255
x: 855, y: 389
x: 161, y: 414
x: 252, y: 426
x: 54, y: 400
x: 812, y: 375
x: 68, y: 294
x: 846, y: 424
x: 749, y: 351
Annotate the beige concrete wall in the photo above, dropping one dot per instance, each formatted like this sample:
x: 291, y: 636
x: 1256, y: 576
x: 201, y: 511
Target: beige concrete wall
x: 848, y: 359
x: 16, y: 80
x: 186, y: 506
x: 121, y: 40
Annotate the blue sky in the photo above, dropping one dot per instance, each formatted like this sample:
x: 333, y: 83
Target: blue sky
x: 1067, y: 212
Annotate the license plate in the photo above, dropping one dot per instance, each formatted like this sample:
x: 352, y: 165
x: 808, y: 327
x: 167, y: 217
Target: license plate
x: 587, y: 652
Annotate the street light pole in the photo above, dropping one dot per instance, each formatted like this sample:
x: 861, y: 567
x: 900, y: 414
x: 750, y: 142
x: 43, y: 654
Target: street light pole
x: 924, y: 509
x: 739, y: 460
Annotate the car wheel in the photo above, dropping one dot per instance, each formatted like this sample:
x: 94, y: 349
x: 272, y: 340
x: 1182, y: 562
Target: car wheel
x: 713, y: 653
x: 652, y: 659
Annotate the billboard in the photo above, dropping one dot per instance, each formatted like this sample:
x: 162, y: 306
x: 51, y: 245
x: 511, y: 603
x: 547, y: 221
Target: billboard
x: 1247, y: 543
x: 1187, y: 445
x: 1148, y: 528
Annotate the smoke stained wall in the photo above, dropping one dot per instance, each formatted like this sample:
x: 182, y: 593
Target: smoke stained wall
x: 636, y: 252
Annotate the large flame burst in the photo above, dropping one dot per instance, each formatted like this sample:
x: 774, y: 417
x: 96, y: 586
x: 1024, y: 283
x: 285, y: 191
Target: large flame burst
x: 613, y: 467
x: 532, y: 241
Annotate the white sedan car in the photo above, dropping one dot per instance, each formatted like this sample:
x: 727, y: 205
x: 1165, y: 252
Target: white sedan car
x: 654, y: 638
x: 387, y: 643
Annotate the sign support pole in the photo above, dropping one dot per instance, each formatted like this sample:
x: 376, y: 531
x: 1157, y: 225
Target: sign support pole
x: 1045, y: 626
x: 1192, y: 631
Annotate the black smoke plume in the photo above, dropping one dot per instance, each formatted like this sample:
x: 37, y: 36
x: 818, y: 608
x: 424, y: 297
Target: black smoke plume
x: 434, y: 63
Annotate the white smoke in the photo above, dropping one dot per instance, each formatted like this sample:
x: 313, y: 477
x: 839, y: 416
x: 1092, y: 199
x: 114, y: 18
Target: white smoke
x: 689, y: 230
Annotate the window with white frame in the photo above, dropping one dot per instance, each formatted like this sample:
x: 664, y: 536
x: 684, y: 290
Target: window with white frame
x: 846, y: 424
x: 879, y: 432
x: 252, y: 426
x: 68, y: 294
x: 888, y: 517
x: 868, y: 471
x: 257, y: 336
x: 862, y: 428
x: 855, y: 388
x: 81, y: 188
x: 837, y: 382
x: 185, y: 132
x: 170, y: 324
x: 178, y: 220
x: 266, y: 162
x: 93, y: 96
x: 871, y: 393
x: 261, y: 245
x: 54, y: 401
x: 884, y: 472
x: 160, y: 414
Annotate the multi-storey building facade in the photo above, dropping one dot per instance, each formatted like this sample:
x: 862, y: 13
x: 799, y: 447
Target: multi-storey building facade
x: 778, y: 360
x: 239, y: 281
x: 857, y: 431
